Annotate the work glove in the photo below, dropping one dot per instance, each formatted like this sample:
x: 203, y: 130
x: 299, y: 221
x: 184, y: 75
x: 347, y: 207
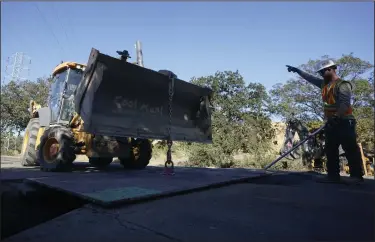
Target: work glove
x: 292, y: 69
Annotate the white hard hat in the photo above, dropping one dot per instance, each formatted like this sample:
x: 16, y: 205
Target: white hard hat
x: 325, y: 64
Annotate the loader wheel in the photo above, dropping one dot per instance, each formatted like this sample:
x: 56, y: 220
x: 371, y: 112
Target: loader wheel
x: 28, y: 151
x: 100, y: 161
x: 140, y: 155
x: 56, y: 151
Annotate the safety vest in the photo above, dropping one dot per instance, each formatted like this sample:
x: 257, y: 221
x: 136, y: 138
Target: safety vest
x: 329, y: 92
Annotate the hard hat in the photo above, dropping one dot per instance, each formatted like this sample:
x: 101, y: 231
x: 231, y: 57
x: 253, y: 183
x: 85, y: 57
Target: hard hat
x: 325, y: 64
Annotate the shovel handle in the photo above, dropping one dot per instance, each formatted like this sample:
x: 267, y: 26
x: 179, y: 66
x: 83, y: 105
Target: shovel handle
x: 295, y: 147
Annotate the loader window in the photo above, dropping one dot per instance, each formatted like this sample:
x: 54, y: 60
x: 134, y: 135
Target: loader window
x: 57, y: 89
x: 74, y: 79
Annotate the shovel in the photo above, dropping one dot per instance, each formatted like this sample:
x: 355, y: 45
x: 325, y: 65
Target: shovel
x: 295, y: 147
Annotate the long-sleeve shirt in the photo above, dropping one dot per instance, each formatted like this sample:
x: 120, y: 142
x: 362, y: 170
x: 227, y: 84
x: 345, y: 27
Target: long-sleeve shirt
x: 343, y: 96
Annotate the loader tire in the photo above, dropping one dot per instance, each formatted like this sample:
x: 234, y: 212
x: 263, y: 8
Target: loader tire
x: 28, y: 151
x: 140, y: 155
x: 100, y: 161
x: 56, y: 151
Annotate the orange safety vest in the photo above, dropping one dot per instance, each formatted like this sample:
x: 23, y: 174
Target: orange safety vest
x: 329, y: 92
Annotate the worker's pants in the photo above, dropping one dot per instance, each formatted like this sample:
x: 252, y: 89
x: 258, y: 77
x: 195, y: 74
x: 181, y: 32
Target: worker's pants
x: 343, y: 133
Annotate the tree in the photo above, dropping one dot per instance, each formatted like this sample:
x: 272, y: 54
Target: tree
x: 240, y: 121
x: 15, y: 99
x: 11, y: 144
x: 303, y: 99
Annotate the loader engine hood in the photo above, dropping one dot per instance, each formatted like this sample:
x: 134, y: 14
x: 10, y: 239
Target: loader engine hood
x: 120, y: 99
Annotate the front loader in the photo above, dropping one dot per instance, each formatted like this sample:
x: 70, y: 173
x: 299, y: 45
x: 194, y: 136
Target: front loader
x: 113, y: 108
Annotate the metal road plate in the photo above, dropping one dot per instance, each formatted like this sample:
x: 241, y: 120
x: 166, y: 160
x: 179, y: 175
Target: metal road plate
x: 110, y: 195
x: 111, y: 188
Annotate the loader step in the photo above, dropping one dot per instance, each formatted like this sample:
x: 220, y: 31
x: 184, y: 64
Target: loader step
x: 115, y: 188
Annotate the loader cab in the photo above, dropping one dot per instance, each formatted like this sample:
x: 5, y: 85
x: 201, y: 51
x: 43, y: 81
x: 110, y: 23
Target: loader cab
x: 66, y: 78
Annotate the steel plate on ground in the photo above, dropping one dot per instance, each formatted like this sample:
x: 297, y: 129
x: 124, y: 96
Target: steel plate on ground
x: 111, y: 188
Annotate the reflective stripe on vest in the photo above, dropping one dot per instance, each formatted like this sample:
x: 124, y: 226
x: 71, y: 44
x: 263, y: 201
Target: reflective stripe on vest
x: 329, y: 101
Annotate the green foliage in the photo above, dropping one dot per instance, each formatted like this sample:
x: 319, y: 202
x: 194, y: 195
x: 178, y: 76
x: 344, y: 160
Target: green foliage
x: 11, y: 144
x: 313, y: 125
x: 15, y: 99
x: 208, y: 156
x: 364, y: 111
x: 240, y: 121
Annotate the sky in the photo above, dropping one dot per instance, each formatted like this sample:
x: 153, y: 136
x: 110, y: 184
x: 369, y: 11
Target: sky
x: 192, y: 39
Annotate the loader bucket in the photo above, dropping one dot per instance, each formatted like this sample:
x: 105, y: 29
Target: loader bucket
x: 120, y: 99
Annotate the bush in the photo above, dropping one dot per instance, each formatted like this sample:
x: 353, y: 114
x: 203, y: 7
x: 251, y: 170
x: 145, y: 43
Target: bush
x: 209, y: 156
x: 239, y: 121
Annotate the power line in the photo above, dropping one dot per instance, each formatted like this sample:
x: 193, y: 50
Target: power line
x: 59, y: 20
x: 53, y: 33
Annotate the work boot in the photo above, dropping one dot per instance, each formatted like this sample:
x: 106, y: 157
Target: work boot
x: 329, y: 179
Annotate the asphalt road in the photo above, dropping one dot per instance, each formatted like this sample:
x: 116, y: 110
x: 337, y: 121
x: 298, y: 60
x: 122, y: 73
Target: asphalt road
x: 285, y: 206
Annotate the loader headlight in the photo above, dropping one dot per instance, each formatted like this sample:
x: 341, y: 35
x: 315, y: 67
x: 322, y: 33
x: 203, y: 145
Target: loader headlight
x: 80, y: 67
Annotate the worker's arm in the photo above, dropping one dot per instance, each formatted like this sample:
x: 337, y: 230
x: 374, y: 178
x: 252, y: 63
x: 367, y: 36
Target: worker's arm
x: 310, y: 78
x: 344, y: 97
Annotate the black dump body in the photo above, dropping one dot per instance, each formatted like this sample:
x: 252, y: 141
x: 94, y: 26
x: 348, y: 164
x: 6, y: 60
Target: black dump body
x: 120, y: 99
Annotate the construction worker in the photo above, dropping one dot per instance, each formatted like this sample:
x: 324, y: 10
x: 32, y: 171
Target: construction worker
x: 336, y: 95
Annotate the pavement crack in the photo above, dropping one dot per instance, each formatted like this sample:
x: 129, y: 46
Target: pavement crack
x: 120, y: 222
x: 153, y: 231
x: 115, y: 215
x: 123, y: 223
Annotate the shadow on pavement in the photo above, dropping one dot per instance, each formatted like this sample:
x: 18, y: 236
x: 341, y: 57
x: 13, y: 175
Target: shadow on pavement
x: 286, y: 206
x: 308, y: 180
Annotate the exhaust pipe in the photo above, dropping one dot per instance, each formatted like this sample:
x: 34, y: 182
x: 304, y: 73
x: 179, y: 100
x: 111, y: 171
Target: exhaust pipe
x: 138, y: 49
